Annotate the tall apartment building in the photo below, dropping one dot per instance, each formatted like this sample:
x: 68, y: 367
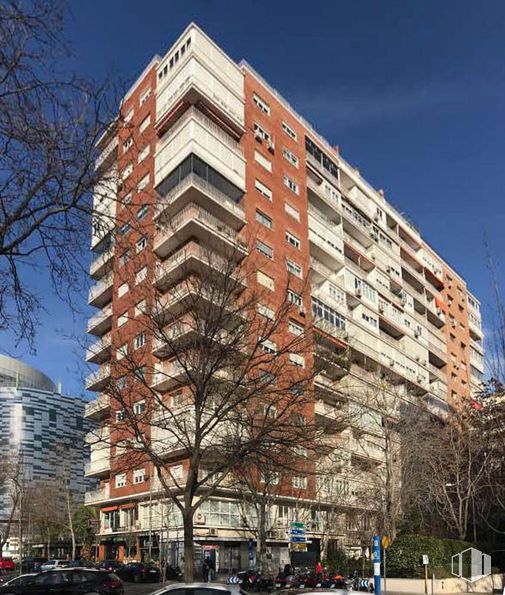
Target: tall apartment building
x: 36, y: 421
x: 221, y: 148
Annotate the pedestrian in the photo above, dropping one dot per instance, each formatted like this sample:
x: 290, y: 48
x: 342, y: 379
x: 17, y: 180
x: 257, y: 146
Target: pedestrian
x: 319, y: 569
x: 206, y: 570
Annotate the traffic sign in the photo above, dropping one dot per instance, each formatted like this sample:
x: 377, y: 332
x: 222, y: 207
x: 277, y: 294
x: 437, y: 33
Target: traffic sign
x: 385, y: 542
x: 297, y: 531
x: 297, y: 539
x: 299, y: 547
x: 297, y: 524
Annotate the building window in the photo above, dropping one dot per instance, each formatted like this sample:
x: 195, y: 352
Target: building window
x: 139, y: 476
x: 260, y: 133
x: 120, y: 416
x: 141, y: 275
x: 323, y: 312
x: 294, y: 298
x: 122, y: 289
x: 291, y: 211
x: 140, y: 341
x: 122, y: 351
x: 144, y: 153
x: 370, y: 320
x: 264, y: 249
x: 139, y: 407
x: 124, y: 258
x: 289, y: 131
x: 129, y: 116
x: 122, y: 319
x: 266, y: 311
x: 293, y: 240
x: 124, y: 229
x: 141, y: 244
x: 268, y: 346
x: 294, y: 268
x: 265, y: 280
x: 263, y: 105
x: 262, y: 189
x: 145, y: 96
x: 127, y: 171
x: 336, y: 293
x: 176, y: 471
x: 297, y: 360
x: 142, y: 212
x: 263, y: 161
x: 140, y: 308
x: 291, y: 157
x: 127, y: 144
x: 295, y: 327
x: 143, y: 183
x: 300, y: 482
x: 270, y: 477
x: 120, y: 480
x: 264, y: 219
x: 145, y: 124
x: 291, y: 184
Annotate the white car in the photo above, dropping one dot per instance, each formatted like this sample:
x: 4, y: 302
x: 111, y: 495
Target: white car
x: 50, y: 564
x: 199, y: 589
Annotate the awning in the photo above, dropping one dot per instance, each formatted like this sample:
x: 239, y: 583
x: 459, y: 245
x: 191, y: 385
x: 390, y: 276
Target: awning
x: 440, y: 304
x: 109, y: 508
x: 128, y: 506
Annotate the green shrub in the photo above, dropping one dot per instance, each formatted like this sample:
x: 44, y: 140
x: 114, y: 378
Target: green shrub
x: 404, y: 555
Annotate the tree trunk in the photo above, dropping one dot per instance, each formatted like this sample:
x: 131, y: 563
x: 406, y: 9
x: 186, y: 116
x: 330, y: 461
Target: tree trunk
x: 326, y: 538
x: 262, y: 537
x: 48, y: 556
x: 70, y: 521
x: 189, y: 548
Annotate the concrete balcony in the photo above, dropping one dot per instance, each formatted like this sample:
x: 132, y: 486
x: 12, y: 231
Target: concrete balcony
x: 192, y: 257
x: 100, y: 294
x: 99, y: 409
x: 357, y: 226
x: 102, y: 263
x: 168, y: 375
x: 475, y: 330
x: 101, y: 322
x: 326, y: 198
x: 192, y: 136
x: 195, y: 190
x: 99, y: 351
x: 320, y: 273
x: 108, y: 156
x: 329, y: 250
x: 195, y: 222
x: 203, y: 75
x: 97, y: 381
x: 98, y: 468
x: 94, y: 497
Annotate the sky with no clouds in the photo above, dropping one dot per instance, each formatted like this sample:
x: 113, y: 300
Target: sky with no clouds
x: 412, y: 92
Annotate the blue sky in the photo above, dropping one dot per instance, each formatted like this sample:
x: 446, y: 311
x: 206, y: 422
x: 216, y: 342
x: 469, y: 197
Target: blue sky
x: 413, y: 93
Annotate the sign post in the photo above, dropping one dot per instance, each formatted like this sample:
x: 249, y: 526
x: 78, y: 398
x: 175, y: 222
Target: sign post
x: 297, y: 537
x: 425, y: 560
x: 377, y: 564
x: 385, y: 544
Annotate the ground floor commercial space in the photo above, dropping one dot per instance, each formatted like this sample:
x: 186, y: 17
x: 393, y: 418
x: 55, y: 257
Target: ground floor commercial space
x: 227, y: 555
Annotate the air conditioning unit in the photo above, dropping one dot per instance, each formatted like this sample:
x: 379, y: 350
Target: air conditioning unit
x: 453, y: 323
x: 381, y: 308
x: 376, y: 217
x: 301, y: 311
x: 391, y: 362
x: 258, y: 135
x: 357, y: 293
x: 417, y: 334
x: 213, y: 532
x: 138, y: 525
x: 199, y: 518
x: 420, y: 379
x: 418, y: 358
x: 270, y: 145
x: 404, y: 299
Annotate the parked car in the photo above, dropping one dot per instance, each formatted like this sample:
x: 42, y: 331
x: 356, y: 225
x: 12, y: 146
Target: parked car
x: 32, y: 564
x: 81, y: 563
x: 110, y: 565
x: 137, y: 572
x: 68, y: 581
x: 7, y: 564
x: 50, y: 564
x: 201, y: 589
x: 19, y: 580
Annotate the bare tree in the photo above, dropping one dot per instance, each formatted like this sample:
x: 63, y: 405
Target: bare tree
x: 230, y: 382
x: 50, y: 122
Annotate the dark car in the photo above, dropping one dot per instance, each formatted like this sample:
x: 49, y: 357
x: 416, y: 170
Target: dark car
x: 110, y: 565
x: 137, y: 572
x: 82, y: 563
x: 68, y: 581
x: 32, y: 564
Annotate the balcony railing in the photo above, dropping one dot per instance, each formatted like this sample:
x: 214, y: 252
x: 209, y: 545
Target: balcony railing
x: 108, y: 154
x: 101, y: 292
x: 100, y: 322
x: 97, y: 409
x: 98, y: 495
x: 100, y: 261
x: 97, y: 467
x: 99, y: 379
x: 98, y: 350
x: 194, y: 180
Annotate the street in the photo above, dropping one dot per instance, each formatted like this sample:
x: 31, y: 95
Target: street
x: 141, y: 589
